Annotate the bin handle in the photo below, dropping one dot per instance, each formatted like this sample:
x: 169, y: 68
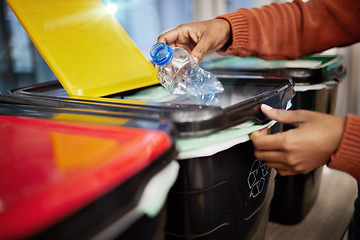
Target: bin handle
x: 151, y: 201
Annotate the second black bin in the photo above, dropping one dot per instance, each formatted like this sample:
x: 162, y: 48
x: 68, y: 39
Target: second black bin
x: 316, y: 81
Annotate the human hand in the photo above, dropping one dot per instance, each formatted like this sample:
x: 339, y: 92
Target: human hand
x: 302, y: 149
x: 199, y: 38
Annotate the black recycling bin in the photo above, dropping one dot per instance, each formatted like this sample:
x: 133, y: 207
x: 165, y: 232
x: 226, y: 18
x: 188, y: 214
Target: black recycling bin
x: 67, y: 174
x: 316, y: 80
x: 222, y: 190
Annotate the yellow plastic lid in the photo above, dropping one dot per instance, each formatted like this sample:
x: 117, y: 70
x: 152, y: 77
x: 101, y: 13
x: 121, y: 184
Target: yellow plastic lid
x: 86, y: 47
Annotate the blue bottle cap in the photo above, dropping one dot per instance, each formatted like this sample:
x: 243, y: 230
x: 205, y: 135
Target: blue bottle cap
x: 161, y: 54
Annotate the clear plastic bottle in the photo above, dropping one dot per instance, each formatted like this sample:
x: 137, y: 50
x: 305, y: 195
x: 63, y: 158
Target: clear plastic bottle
x: 178, y: 72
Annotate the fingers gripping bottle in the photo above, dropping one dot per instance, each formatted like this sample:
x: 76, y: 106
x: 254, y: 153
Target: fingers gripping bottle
x: 178, y: 72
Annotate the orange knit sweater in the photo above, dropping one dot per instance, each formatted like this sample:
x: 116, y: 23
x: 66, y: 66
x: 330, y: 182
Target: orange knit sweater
x: 347, y: 157
x: 296, y: 29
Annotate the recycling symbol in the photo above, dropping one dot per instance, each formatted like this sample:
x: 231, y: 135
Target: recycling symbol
x: 256, y: 178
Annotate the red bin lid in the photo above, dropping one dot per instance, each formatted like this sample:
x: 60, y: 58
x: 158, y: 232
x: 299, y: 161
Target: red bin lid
x: 49, y: 169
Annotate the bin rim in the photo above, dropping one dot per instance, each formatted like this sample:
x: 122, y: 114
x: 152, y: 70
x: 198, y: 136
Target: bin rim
x: 332, y: 68
x: 200, y: 120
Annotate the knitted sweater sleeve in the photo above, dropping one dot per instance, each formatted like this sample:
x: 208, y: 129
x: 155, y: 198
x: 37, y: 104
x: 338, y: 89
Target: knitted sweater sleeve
x: 347, y: 157
x: 293, y: 29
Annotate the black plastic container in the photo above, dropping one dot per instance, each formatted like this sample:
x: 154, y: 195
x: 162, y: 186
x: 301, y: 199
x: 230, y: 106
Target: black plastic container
x: 316, y: 81
x: 110, y: 203
x: 223, y: 195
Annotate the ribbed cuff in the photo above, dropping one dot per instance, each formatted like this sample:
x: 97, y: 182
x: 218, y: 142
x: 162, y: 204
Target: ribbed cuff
x: 240, y: 34
x: 347, y: 157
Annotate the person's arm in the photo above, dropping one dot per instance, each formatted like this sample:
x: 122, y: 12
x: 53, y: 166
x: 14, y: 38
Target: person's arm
x: 316, y: 138
x: 347, y: 156
x: 277, y: 31
x: 292, y: 30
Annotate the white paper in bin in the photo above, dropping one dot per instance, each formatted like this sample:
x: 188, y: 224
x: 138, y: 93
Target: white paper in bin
x: 217, y: 142
x: 325, y: 85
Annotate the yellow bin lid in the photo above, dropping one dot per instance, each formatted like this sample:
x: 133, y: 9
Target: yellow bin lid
x: 86, y: 47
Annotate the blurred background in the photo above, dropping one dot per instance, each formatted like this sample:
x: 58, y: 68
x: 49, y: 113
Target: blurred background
x: 144, y: 20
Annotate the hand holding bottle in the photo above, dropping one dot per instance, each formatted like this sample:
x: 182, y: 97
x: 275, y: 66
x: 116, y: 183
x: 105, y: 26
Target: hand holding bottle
x: 199, y: 38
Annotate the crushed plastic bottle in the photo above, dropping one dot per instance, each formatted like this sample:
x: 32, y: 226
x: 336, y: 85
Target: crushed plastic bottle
x: 178, y: 72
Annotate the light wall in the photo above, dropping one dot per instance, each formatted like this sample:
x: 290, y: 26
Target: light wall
x: 348, y: 100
